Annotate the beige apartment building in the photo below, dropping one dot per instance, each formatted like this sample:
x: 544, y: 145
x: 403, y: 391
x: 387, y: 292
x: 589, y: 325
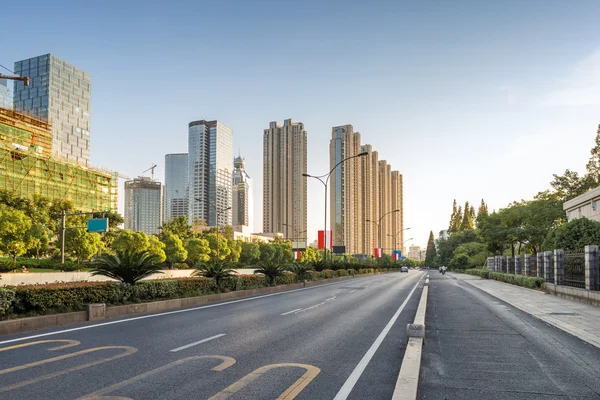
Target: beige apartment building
x: 284, y: 187
x: 364, y: 192
x: 346, y: 189
x: 370, y: 198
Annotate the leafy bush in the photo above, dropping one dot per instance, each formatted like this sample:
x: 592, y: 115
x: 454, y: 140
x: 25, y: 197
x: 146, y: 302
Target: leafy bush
x: 218, y: 270
x: 477, y: 272
x: 286, y: 279
x: 6, y: 265
x: 530, y: 282
x: 244, y: 282
x: 6, y: 298
x: 351, y: 272
x: 342, y: 272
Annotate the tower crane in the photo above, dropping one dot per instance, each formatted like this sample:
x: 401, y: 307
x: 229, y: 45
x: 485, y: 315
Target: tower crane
x: 151, y: 169
x: 24, y: 79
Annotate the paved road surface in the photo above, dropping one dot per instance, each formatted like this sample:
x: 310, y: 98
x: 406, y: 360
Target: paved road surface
x: 478, y: 347
x: 311, y: 344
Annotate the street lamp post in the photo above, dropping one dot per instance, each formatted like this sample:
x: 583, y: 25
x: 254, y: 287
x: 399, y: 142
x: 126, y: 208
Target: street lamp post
x: 378, y: 223
x: 325, y: 183
x: 396, y: 237
x: 219, y: 212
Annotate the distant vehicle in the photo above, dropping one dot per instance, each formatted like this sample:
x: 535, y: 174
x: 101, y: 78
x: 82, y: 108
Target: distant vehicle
x: 404, y: 269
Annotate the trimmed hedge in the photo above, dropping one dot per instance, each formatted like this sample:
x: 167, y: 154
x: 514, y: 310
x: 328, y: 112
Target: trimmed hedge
x: 530, y: 282
x: 477, y: 272
x: 66, y: 297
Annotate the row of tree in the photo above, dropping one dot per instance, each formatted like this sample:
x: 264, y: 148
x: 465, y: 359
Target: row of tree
x: 526, y: 226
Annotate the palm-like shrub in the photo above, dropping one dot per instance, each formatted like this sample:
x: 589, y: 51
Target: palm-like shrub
x: 126, y: 266
x: 319, y: 265
x: 301, y: 270
x: 271, y: 269
x: 218, y: 270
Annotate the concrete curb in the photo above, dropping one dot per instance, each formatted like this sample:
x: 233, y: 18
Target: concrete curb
x: 407, y: 384
x: 98, y: 312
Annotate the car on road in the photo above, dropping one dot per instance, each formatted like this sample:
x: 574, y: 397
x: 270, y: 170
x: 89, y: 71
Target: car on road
x: 404, y: 269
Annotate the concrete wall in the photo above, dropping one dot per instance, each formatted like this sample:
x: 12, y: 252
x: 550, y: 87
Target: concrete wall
x: 33, y: 278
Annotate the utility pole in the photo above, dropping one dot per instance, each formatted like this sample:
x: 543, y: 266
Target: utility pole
x: 63, y: 227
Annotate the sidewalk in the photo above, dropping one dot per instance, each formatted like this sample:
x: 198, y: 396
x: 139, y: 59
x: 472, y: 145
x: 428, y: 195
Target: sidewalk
x: 578, y: 319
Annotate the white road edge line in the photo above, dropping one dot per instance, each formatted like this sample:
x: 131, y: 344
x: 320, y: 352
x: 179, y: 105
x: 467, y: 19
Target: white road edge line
x: 208, y: 339
x: 293, y: 311
x: 352, y: 291
x: 168, y: 313
x: 362, y: 365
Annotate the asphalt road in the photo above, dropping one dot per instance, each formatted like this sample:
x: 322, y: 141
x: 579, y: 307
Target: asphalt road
x: 478, y: 347
x: 340, y: 340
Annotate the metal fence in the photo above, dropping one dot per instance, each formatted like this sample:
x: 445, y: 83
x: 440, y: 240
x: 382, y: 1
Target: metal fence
x: 533, y: 266
x: 575, y: 269
x: 510, y: 265
x: 550, y: 271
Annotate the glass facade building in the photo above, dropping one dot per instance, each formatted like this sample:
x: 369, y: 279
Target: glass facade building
x: 143, y: 205
x: 59, y: 93
x: 176, y: 186
x: 5, y: 99
x: 210, y: 170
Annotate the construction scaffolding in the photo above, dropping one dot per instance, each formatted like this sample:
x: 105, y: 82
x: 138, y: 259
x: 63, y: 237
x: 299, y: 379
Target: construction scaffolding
x: 27, y: 168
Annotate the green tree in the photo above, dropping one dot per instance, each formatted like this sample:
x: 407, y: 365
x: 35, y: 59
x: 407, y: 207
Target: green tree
x: 14, y: 229
x: 593, y: 165
x: 482, y: 212
x: 267, y: 251
x: 130, y: 241
x: 174, y: 250
x: 570, y: 184
x: 467, y: 222
x: 574, y: 235
x: 127, y: 267
x: 198, y: 251
x: 37, y: 239
x: 157, y: 248
x: 250, y: 253
x: 430, y: 252
x: 453, y: 217
x: 283, y: 252
x: 235, y: 248
x: 82, y: 245
x: 223, y: 249
x: 177, y: 226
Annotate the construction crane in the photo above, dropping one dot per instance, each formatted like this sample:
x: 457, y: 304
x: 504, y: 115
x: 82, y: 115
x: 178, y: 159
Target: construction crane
x: 24, y: 79
x: 151, y: 169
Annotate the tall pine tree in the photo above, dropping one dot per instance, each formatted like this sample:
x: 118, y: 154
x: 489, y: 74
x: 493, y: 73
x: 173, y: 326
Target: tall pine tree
x: 593, y: 165
x: 482, y: 212
x: 457, y: 220
x: 430, y: 253
x: 452, y: 217
x: 467, y: 221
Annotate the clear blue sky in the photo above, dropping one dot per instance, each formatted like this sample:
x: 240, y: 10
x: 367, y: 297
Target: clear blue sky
x: 468, y: 99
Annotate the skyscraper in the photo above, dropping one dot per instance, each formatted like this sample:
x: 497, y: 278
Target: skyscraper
x: 242, y: 208
x: 210, y: 170
x: 143, y: 205
x: 385, y: 206
x: 5, y: 99
x: 176, y: 186
x: 59, y: 93
x: 346, y: 190
x: 284, y: 187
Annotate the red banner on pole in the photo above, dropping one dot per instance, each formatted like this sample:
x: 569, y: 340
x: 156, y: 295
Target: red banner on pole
x: 321, y: 240
x: 377, y: 252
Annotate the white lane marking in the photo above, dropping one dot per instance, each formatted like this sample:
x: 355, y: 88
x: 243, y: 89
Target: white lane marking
x: 208, y: 339
x: 167, y: 313
x: 289, y: 312
x: 360, y: 367
x: 352, y: 291
x: 315, y: 306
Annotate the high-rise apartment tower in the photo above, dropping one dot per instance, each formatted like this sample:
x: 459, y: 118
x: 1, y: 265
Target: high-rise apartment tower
x: 284, y: 187
x: 143, y: 205
x: 242, y: 208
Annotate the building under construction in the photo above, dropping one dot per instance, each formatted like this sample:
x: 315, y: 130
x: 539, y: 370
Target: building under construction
x: 27, y: 167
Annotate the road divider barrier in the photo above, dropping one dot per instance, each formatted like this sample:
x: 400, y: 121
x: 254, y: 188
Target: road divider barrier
x: 407, y: 384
